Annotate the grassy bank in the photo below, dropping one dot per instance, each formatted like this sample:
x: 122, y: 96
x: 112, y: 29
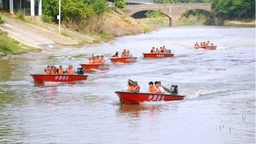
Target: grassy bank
x: 11, y: 46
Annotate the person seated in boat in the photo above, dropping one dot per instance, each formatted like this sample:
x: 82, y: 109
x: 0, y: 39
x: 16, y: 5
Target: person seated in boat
x: 128, y: 54
x: 208, y: 43
x: 135, y: 88
x: 129, y: 85
x: 196, y: 45
x: 124, y: 54
x: 102, y: 60
x: 159, y: 89
x: 157, y: 51
x: 70, y: 70
x: 152, y: 88
x: 97, y: 60
x: 53, y: 71
x: 47, y: 70
x: 90, y: 61
x: 152, y: 50
x: 60, y: 70
x: 164, y: 49
x: 165, y: 89
x: 116, y: 55
x: 161, y: 50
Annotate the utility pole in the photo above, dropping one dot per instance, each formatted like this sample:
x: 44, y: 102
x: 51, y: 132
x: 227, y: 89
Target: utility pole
x: 59, y: 14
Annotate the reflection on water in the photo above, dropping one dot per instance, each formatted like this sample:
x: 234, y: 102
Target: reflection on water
x: 219, y: 86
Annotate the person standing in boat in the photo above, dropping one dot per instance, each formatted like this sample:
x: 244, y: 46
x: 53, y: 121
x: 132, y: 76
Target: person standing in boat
x: 128, y: 54
x: 164, y: 49
x: 165, y: 89
x: 60, y: 70
x: 116, y: 55
x: 90, y: 61
x: 152, y: 50
x: 135, y: 88
x: 102, y: 60
x: 97, y: 60
x: 152, y: 88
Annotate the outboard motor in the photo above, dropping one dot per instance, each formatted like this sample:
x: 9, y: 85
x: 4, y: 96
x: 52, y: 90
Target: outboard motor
x: 174, y: 89
x: 169, y: 51
x: 80, y: 71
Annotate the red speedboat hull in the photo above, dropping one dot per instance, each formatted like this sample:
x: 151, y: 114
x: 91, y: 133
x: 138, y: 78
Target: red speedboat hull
x: 135, y: 98
x: 124, y: 60
x: 90, y: 67
x: 39, y: 78
x: 207, y: 47
x: 157, y: 55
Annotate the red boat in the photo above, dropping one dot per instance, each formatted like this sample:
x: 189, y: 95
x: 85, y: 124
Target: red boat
x: 157, y: 55
x: 207, y: 47
x: 135, y: 98
x: 124, y: 60
x: 90, y: 67
x: 39, y: 78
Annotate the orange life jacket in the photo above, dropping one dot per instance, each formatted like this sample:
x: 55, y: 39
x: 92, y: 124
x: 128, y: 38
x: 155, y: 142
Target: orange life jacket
x: 102, y: 61
x: 157, y: 51
x: 129, y: 87
x: 47, y: 71
x: 152, y: 89
x: 60, y: 71
x: 152, y: 51
x: 123, y: 55
x: 116, y: 56
x: 207, y: 43
x: 97, y: 61
x: 134, y: 88
x: 196, y: 45
x: 52, y: 72
x: 164, y: 50
x: 90, y: 61
x: 157, y: 89
x: 129, y: 54
x: 70, y: 71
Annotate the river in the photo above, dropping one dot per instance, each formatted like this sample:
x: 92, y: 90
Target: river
x: 219, y: 86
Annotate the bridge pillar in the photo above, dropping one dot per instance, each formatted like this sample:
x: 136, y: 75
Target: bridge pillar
x: 216, y: 20
x: 172, y: 22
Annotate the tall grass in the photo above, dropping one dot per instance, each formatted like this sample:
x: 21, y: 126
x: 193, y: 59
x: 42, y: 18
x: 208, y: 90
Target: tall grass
x: 11, y: 46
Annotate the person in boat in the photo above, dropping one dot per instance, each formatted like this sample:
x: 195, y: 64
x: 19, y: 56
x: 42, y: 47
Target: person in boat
x: 157, y: 51
x: 47, y: 70
x: 97, y: 60
x: 52, y: 71
x: 116, y: 55
x: 159, y: 89
x: 204, y: 44
x: 70, y: 70
x: 128, y: 54
x: 135, y: 88
x: 90, y: 61
x: 102, y: 60
x: 196, y: 45
x: 152, y: 88
x: 124, y: 54
x: 201, y: 44
x: 60, y: 70
x: 161, y: 50
x: 208, y: 43
x: 164, y: 49
x: 129, y: 85
x: 165, y: 89
x: 152, y: 50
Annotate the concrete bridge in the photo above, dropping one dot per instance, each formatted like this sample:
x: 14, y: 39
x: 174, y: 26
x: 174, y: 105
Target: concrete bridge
x: 172, y: 11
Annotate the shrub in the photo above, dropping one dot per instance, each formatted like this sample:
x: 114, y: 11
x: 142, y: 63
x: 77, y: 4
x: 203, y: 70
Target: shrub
x: 146, y: 30
x: 47, y: 18
x: 1, y: 20
x: 104, y: 35
x: 21, y: 16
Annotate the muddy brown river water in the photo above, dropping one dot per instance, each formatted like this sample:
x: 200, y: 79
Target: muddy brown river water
x: 219, y: 85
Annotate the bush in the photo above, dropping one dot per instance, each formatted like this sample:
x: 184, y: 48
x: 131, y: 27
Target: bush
x: 104, y: 35
x: 1, y: 20
x: 146, y: 30
x: 47, y: 18
x: 21, y: 16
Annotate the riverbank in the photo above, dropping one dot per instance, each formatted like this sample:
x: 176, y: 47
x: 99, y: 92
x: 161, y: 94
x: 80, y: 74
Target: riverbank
x: 193, y: 20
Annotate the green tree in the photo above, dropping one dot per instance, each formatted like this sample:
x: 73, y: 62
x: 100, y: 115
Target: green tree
x: 119, y: 3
